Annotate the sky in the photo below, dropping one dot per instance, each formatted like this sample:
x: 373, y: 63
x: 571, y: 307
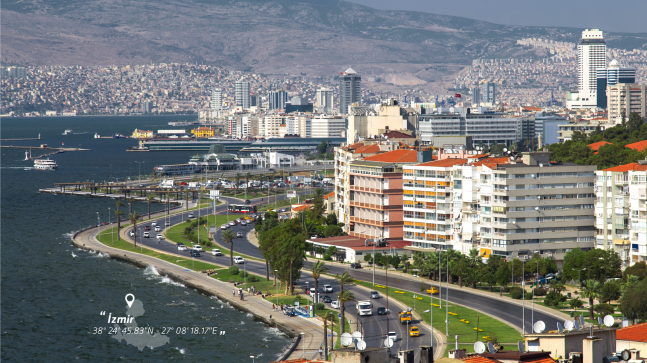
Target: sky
x: 606, y: 15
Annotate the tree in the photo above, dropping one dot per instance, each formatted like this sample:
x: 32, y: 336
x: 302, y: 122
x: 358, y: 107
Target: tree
x: 318, y: 268
x: 118, y: 214
x: 331, y: 219
x: 323, y: 147
x: 632, y: 302
x: 149, y: 198
x: 634, y: 122
x: 134, y: 217
x: 638, y: 269
x: 591, y: 291
x: 237, y: 177
x: 575, y: 303
x: 131, y: 201
x: 502, y: 277
x: 603, y: 309
x: 228, y: 237
x: 554, y: 298
x: 573, y: 261
x: 610, y: 291
x: 368, y: 258
x: 344, y: 279
x: 293, y: 250
x: 344, y: 297
x: 326, y: 318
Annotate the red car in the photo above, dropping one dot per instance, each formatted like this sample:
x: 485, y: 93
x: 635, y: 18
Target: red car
x: 147, y: 228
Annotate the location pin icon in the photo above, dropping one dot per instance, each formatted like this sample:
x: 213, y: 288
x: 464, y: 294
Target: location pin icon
x: 130, y: 299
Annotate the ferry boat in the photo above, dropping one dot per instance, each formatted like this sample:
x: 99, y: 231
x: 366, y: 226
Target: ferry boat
x: 47, y: 164
x: 67, y: 132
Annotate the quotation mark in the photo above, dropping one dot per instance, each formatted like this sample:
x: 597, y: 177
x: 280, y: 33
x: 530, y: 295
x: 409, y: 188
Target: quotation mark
x: 103, y: 313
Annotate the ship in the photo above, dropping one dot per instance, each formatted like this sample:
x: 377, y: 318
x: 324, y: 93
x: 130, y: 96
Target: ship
x: 97, y: 136
x: 67, y: 132
x: 183, y: 123
x: 46, y: 164
x: 118, y: 136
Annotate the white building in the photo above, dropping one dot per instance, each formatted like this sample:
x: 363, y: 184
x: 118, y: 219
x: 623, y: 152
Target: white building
x: 216, y: 99
x: 487, y: 128
x: 269, y: 127
x: 591, y: 55
x: 242, y: 94
x: 328, y: 126
x: 299, y: 124
x: 625, y: 98
x: 324, y: 99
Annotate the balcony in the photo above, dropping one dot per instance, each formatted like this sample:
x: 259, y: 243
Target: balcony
x: 375, y: 206
x: 373, y: 222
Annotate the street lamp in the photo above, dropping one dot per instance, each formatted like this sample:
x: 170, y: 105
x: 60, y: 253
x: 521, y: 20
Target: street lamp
x: 303, y: 344
x: 277, y: 288
x: 447, y: 298
x: 98, y: 224
x: 112, y: 234
x: 139, y: 178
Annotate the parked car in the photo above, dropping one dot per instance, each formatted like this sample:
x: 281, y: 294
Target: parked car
x: 239, y: 235
x: 356, y: 265
x: 224, y: 226
x: 327, y: 288
x: 238, y: 260
x: 160, y: 237
x: 147, y: 234
x: 216, y: 252
x: 375, y: 295
x: 243, y: 223
x: 334, y: 304
x: 181, y: 247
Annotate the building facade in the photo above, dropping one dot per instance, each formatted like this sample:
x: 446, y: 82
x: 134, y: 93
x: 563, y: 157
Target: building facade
x: 278, y: 99
x: 476, y: 96
x: 611, y: 76
x: 489, y: 94
x: 142, y: 134
x: 216, y: 99
x: 324, y: 100
x: 242, y: 94
x: 203, y: 132
x: 350, y: 90
x: 487, y: 129
x: 591, y: 56
x: 625, y: 98
x: 328, y: 126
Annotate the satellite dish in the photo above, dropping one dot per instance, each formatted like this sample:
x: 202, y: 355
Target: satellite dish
x: 600, y: 321
x: 520, y: 346
x: 577, y: 324
x: 608, y: 320
x: 541, y: 165
x: 361, y: 345
x: 357, y: 336
x: 568, y: 325
x: 479, y: 347
x: 505, y: 149
x: 582, y: 323
x: 560, y: 328
x: 539, y: 327
x: 626, y: 355
x: 490, y: 347
x: 388, y: 342
x: 346, y: 339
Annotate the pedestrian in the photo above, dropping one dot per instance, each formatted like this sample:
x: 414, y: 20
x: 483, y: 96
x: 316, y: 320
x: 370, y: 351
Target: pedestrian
x: 320, y: 352
x: 234, y: 291
x: 242, y: 297
x: 273, y: 307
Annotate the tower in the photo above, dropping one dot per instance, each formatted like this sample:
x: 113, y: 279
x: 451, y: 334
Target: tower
x: 324, y: 99
x: 216, y: 99
x: 489, y: 93
x: 242, y: 94
x: 278, y: 99
x: 476, y: 96
x: 591, y: 55
x: 350, y: 90
x: 611, y: 76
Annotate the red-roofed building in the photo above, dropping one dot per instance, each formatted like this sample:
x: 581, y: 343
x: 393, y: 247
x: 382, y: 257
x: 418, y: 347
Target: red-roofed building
x: 632, y: 337
x: 639, y: 146
x: 396, y: 156
x: 352, y: 248
x: 597, y: 145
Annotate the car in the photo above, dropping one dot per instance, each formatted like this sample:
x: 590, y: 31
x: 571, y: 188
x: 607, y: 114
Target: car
x: 414, y: 331
x: 375, y: 295
x: 194, y: 253
x: 381, y: 310
x: 243, y: 223
x: 147, y: 234
x: 160, y: 237
x: 327, y: 288
x: 247, y: 201
x: 224, y: 226
x: 334, y: 304
x: 239, y: 235
x: 356, y: 265
x: 238, y: 260
x: 190, y: 215
x: 167, y: 223
x: 392, y: 335
x: 327, y: 299
x: 181, y: 247
x: 432, y: 290
x: 197, y: 248
x: 147, y: 228
x: 131, y: 233
x: 216, y: 252
x: 153, y: 224
x: 232, y: 223
x: 158, y: 228
x: 312, y: 291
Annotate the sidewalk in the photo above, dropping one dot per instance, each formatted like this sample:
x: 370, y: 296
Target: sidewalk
x: 262, y: 309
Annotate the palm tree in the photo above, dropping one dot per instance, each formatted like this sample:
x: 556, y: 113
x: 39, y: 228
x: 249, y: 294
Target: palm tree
x: 149, y: 198
x: 318, y: 268
x: 344, y: 279
x: 247, y: 177
x: 119, y: 213
x: 237, y: 178
x: 134, y: 217
x: 120, y: 203
x: 591, y: 291
x: 328, y: 317
x: 228, y: 237
x: 131, y: 201
x: 344, y: 297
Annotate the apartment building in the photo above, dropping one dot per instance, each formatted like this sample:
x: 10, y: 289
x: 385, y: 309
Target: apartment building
x: 270, y: 125
x: 365, y: 122
x: 512, y: 208
x: 625, y: 98
x: 299, y: 124
x: 486, y: 129
x: 203, y: 132
x: 328, y: 126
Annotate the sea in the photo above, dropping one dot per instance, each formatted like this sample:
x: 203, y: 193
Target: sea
x: 53, y: 294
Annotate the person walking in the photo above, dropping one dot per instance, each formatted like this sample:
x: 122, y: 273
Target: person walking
x: 234, y: 291
x: 273, y: 307
x: 320, y: 352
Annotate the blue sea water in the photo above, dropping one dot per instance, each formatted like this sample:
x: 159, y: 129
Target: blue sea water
x: 51, y: 301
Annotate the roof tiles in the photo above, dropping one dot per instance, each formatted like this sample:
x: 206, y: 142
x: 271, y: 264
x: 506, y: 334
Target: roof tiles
x: 627, y: 167
x: 636, y: 333
x: 445, y: 163
x: 395, y: 156
x: 640, y: 145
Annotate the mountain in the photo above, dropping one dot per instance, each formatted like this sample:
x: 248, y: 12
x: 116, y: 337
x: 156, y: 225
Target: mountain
x: 317, y: 37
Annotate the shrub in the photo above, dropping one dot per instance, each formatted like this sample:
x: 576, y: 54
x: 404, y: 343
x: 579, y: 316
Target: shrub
x: 516, y: 293
x: 320, y: 306
x: 234, y: 270
x: 553, y: 298
x: 603, y: 309
x: 244, y: 274
x: 327, y: 257
x: 209, y: 243
x: 540, y: 291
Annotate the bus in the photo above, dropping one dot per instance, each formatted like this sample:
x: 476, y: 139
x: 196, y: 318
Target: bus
x: 242, y: 208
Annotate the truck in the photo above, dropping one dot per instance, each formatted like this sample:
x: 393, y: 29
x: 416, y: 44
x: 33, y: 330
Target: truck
x: 167, y: 183
x: 365, y: 307
x: 194, y: 185
x: 405, y: 317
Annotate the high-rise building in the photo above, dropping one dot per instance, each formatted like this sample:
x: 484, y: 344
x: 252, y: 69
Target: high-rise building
x: 350, y: 90
x: 242, y: 94
x: 256, y: 101
x: 278, y: 99
x: 476, y: 96
x: 489, y: 93
x: 146, y: 106
x: 328, y: 126
x: 611, y: 76
x: 216, y: 99
x: 625, y: 98
x: 324, y: 99
x: 298, y: 104
x: 591, y: 55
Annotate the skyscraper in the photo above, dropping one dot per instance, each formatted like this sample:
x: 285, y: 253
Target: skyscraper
x: 350, y: 90
x: 242, y: 94
x: 611, y: 76
x: 278, y: 99
x: 324, y: 99
x: 591, y: 55
x: 489, y: 93
x: 216, y: 99
x: 476, y: 96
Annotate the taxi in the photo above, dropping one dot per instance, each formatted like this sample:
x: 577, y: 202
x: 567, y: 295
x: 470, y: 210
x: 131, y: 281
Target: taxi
x: 414, y: 331
x: 432, y: 290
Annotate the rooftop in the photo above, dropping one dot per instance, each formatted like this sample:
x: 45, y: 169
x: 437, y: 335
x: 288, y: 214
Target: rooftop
x: 640, y: 145
x: 395, y: 156
x: 397, y: 135
x: 597, y: 145
x: 357, y: 243
x: 627, y: 167
x: 491, y: 161
x: 446, y: 163
x: 636, y: 333
x: 329, y: 195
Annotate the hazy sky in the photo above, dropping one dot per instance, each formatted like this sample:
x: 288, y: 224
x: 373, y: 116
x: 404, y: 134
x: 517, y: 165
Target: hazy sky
x: 607, y: 15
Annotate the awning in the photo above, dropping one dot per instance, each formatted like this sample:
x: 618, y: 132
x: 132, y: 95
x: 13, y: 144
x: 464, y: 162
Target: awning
x: 621, y: 242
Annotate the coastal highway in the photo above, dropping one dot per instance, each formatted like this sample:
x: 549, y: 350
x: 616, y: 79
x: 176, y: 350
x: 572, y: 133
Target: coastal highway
x: 374, y: 327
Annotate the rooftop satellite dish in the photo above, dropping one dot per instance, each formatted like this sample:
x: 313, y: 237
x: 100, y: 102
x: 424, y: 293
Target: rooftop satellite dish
x: 577, y: 324
x: 608, y: 321
x: 582, y: 323
x: 361, y: 345
x: 490, y: 348
x: 505, y: 149
x: 541, y: 165
x: 568, y: 325
x: 388, y: 342
x: 560, y: 328
x: 520, y: 346
x: 539, y: 327
x: 512, y: 158
x: 626, y: 355
x: 600, y: 322
x: 479, y: 347
x: 357, y: 336
x: 346, y: 339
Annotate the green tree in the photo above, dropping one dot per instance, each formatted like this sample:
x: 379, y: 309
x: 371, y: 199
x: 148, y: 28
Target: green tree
x: 131, y: 201
x: 368, y: 258
x: 293, y: 251
x: 638, y: 269
x: 553, y: 298
x: 318, y: 268
x: 134, y: 217
x: 331, y: 219
x: 118, y: 214
x: 502, y: 277
x: 603, y: 309
x: 591, y: 291
x: 575, y: 303
x: 321, y: 149
x: 149, y: 198
x: 635, y: 122
x: 344, y: 279
x: 632, y: 302
x: 573, y: 262
x: 344, y: 297
x: 228, y: 237
x: 610, y: 291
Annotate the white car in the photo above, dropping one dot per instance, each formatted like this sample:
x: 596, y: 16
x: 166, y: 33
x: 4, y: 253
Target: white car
x: 239, y: 235
x: 224, y: 226
x: 131, y: 233
x: 327, y: 288
x: 160, y: 237
x: 393, y: 336
x: 146, y: 234
x: 158, y: 228
x: 216, y: 252
x: 181, y: 247
x: 154, y: 224
x: 335, y: 304
x: 190, y: 215
x: 232, y: 223
x: 238, y: 260
x: 197, y: 247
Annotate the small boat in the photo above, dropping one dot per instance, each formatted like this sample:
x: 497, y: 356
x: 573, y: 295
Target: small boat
x: 67, y: 132
x: 97, y: 136
x: 47, y: 164
x: 119, y: 136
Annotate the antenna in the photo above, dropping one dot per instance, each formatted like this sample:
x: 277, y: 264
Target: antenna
x: 490, y: 347
x: 357, y: 336
x: 560, y: 328
x: 626, y: 355
x: 361, y: 345
x: 520, y: 346
x: 568, y: 325
x: 539, y: 327
x: 505, y: 149
x: 577, y: 324
x: 479, y: 347
x: 608, y: 321
x: 346, y: 339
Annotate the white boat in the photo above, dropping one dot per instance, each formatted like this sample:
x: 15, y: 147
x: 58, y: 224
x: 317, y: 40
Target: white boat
x: 67, y: 132
x: 47, y: 164
x: 97, y: 136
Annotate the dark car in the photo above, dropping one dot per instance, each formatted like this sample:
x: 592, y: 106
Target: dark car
x: 194, y: 253
x: 247, y: 201
x: 327, y: 299
x: 381, y: 311
x: 355, y: 265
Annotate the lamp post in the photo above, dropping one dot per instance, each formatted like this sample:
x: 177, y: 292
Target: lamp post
x: 251, y: 356
x: 374, y: 262
x: 98, y: 224
x: 440, y: 281
x: 303, y: 344
x: 139, y: 178
x: 112, y: 235
x: 447, y: 298
x: 277, y: 288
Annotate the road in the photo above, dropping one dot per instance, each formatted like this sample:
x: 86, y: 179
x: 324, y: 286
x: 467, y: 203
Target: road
x: 374, y: 327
